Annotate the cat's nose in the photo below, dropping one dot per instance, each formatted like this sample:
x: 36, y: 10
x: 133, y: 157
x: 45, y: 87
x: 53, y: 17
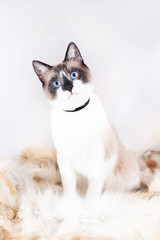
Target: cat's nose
x: 67, y: 84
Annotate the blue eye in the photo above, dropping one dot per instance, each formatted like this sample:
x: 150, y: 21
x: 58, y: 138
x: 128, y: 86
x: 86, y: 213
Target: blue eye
x: 56, y: 83
x: 74, y: 75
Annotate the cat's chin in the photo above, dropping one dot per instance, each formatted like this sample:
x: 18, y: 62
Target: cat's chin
x: 70, y: 103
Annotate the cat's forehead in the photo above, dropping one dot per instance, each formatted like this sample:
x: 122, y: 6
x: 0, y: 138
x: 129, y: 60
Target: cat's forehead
x: 66, y: 67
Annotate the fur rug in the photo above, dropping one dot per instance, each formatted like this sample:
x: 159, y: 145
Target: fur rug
x: 32, y: 206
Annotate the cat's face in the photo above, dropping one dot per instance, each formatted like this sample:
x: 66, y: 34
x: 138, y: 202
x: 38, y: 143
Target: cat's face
x: 67, y: 85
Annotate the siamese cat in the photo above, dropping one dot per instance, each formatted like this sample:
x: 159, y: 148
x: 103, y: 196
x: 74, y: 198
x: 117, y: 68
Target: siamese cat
x: 87, y: 144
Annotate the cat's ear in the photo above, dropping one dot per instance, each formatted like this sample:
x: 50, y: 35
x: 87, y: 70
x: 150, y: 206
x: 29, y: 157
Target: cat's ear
x: 73, y: 53
x: 41, y: 69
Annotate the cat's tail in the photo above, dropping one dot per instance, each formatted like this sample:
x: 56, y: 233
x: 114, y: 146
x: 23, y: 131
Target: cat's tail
x: 149, y: 163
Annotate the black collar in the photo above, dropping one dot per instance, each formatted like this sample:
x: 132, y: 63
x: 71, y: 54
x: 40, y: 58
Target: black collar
x: 79, y: 108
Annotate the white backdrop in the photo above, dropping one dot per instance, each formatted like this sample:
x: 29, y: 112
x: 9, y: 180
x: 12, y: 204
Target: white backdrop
x: 119, y: 41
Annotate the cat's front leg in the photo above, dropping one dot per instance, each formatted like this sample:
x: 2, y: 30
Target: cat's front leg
x: 96, y: 179
x: 68, y: 176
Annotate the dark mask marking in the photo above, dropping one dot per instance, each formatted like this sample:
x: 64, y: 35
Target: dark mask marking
x: 67, y: 84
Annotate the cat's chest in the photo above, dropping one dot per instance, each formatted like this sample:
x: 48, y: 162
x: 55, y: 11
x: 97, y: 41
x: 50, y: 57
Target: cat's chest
x: 76, y: 130
x: 79, y: 136
x: 79, y: 141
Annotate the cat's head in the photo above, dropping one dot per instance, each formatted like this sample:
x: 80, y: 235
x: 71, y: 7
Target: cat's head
x: 67, y: 85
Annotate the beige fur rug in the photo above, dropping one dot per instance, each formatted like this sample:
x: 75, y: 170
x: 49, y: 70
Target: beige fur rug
x: 32, y: 206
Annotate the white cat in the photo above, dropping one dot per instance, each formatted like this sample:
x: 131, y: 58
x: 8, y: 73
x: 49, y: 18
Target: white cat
x: 86, y: 143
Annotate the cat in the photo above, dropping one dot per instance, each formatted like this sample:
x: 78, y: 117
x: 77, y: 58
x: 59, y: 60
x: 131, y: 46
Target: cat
x: 86, y: 143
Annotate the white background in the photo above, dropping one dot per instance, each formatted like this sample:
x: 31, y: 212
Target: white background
x: 119, y: 41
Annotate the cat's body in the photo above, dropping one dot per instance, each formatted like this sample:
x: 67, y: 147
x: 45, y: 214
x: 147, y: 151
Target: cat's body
x: 86, y: 143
